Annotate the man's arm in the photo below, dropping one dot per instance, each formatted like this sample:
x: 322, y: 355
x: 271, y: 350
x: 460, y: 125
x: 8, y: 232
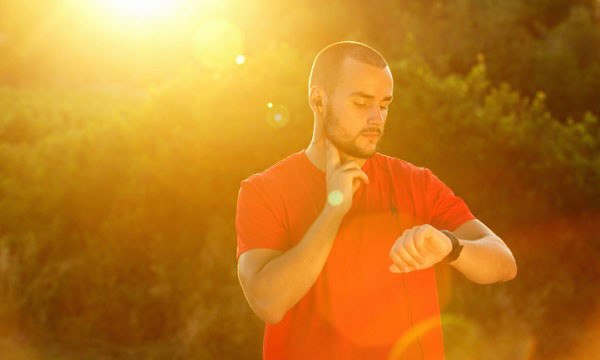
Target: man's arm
x: 276, y: 287
x: 484, y: 259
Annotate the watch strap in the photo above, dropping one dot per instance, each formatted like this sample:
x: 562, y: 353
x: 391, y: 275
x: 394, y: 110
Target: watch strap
x: 456, y: 247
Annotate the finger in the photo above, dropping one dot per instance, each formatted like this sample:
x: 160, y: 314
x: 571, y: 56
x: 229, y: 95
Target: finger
x: 397, y: 259
x: 395, y: 269
x: 399, y: 262
x: 333, y: 156
x: 410, y: 233
x: 401, y: 239
x: 420, y: 244
x: 422, y: 231
x: 412, y: 250
x: 393, y: 252
x: 348, y: 165
x: 410, y: 238
x: 405, y: 233
x: 414, y: 230
x: 412, y: 263
x: 401, y: 258
x: 357, y: 173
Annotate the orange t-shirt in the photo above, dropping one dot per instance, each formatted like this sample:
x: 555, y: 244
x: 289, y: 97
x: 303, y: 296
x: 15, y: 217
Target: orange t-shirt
x: 357, y: 308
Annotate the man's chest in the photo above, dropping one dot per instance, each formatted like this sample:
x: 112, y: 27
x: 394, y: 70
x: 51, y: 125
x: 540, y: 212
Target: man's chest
x: 374, y: 217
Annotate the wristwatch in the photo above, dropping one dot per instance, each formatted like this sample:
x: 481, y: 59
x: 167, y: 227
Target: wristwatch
x: 456, y: 247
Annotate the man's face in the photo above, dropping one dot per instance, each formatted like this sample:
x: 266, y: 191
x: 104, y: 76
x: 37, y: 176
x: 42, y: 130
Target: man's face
x: 356, y: 111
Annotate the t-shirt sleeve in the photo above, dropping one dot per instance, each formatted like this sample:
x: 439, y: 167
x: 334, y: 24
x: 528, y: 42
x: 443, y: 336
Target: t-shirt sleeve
x: 446, y: 211
x: 258, y: 220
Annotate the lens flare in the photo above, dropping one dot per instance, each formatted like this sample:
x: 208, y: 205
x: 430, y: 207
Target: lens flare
x: 277, y: 115
x: 411, y: 336
x: 335, y: 197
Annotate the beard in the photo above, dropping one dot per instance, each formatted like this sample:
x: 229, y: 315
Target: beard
x: 350, y: 147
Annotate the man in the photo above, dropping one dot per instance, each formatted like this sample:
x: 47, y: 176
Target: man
x: 336, y: 243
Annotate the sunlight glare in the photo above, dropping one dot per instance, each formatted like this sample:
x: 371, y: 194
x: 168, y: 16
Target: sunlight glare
x: 142, y: 9
x: 217, y: 44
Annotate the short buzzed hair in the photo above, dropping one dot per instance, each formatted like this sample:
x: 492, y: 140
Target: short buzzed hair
x: 325, y: 69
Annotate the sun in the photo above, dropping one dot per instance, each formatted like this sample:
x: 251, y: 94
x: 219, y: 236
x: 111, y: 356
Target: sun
x: 141, y: 10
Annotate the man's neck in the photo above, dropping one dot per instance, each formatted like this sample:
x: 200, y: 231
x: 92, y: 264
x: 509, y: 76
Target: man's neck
x: 317, y: 154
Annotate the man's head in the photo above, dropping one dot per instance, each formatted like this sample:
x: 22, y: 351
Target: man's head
x: 350, y: 88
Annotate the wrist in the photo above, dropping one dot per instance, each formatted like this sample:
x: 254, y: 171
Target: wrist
x: 456, y: 247
x: 332, y: 212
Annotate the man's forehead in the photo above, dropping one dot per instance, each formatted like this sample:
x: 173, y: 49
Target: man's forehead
x: 368, y: 95
x: 359, y: 78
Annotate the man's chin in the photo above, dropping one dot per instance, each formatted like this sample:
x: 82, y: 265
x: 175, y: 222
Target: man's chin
x: 370, y: 155
x: 361, y: 154
x: 365, y: 154
x: 355, y: 151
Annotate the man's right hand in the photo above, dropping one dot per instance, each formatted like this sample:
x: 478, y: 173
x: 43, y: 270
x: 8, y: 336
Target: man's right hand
x: 342, y: 180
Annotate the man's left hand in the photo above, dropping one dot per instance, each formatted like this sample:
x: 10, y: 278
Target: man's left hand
x: 419, y: 248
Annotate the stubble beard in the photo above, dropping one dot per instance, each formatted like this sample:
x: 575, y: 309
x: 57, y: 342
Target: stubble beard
x: 349, y: 147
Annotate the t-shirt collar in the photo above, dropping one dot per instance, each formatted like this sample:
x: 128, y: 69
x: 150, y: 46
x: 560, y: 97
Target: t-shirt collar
x: 319, y: 172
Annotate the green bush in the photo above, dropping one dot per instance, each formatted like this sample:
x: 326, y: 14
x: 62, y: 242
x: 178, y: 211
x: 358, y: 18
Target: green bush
x: 118, y: 208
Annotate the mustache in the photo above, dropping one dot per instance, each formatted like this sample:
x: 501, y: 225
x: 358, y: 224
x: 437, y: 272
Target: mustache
x: 373, y: 130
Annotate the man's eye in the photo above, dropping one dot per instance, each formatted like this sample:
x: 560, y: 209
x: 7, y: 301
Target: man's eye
x: 360, y: 104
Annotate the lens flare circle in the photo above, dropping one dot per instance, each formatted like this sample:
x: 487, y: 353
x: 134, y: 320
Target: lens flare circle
x: 277, y: 115
x: 335, y: 198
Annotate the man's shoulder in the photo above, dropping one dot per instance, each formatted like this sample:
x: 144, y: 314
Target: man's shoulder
x: 270, y: 175
x: 400, y: 166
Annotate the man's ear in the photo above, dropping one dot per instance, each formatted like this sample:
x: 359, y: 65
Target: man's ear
x: 317, y: 99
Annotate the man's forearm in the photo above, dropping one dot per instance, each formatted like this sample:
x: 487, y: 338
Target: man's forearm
x: 485, y: 261
x: 283, y: 281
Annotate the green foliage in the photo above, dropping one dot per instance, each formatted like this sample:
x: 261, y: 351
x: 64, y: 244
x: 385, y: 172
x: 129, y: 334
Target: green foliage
x: 499, y: 135
x: 114, y: 234
x: 549, y: 46
x: 118, y: 210
x: 117, y: 203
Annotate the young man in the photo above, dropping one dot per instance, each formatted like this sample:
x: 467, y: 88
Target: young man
x: 337, y: 242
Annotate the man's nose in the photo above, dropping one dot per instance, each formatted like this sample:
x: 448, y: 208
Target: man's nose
x: 376, y: 116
